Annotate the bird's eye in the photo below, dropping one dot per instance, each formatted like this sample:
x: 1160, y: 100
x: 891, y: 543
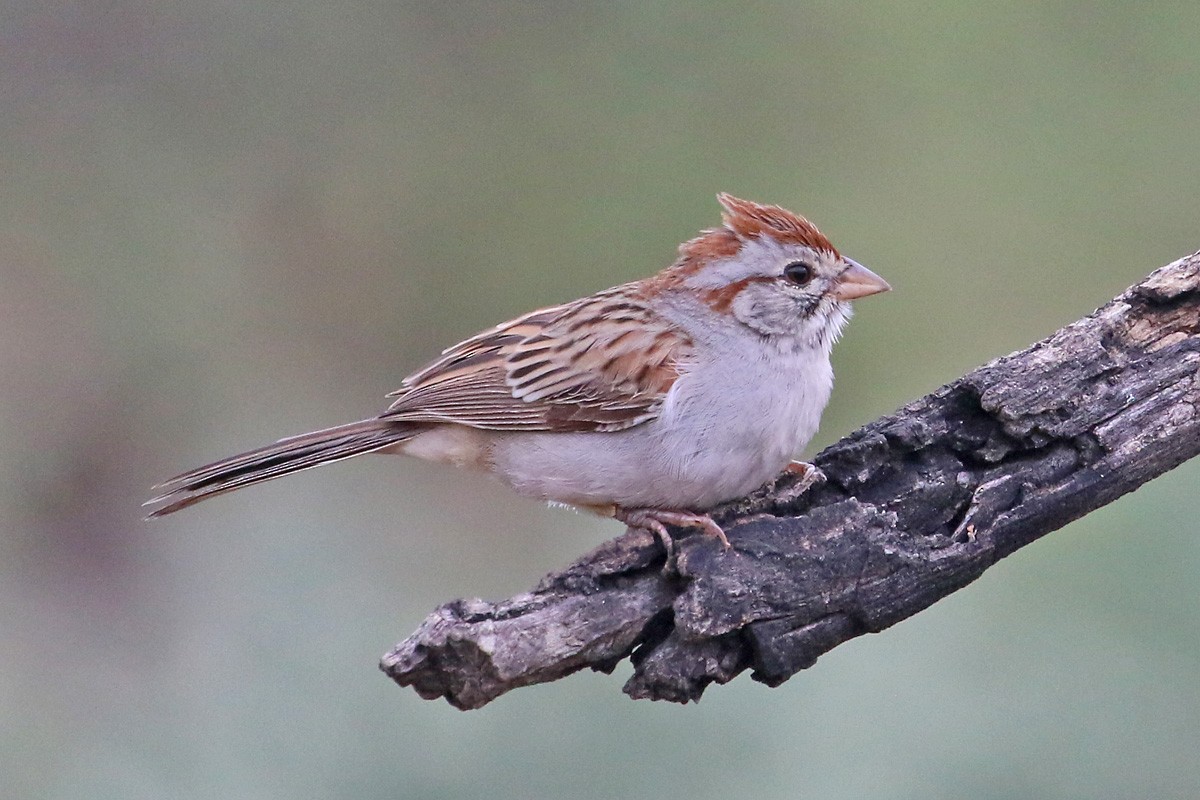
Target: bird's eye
x: 798, y: 273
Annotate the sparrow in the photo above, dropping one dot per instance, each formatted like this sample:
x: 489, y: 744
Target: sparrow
x: 652, y: 402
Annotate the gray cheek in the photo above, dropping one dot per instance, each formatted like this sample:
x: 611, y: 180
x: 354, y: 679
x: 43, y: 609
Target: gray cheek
x: 771, y: 312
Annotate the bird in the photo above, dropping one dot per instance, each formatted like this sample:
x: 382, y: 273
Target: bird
x: 652, y: 402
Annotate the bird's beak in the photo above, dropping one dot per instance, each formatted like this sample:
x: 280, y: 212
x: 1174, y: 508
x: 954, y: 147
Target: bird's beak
x: 858, y: 281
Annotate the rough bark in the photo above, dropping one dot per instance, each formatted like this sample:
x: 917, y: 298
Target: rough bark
x: 916, y: 505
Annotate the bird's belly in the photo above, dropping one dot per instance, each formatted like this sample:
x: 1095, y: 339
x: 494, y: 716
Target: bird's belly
x: 632, y: 468
x: 695, y: 456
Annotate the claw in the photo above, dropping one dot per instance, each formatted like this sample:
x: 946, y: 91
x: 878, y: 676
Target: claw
x: 660, y: 532
x: 655, y: 520
x: 810, y: 475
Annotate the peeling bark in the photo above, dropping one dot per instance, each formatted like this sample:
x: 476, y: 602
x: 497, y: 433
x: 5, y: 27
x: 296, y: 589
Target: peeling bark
x: 915, y: 506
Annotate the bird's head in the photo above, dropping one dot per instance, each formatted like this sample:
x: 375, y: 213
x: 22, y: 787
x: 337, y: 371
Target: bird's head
x: 772, y: 271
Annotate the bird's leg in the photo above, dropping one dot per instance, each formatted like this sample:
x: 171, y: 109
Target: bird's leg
x: 770, y: 495
x: 810, y: 476
x: 655, y: 527
x: 656, y: 519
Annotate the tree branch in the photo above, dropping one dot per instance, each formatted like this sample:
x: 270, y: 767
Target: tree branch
x: 916, y: 506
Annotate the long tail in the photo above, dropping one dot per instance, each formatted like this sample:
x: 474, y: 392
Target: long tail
x: 284, y: 457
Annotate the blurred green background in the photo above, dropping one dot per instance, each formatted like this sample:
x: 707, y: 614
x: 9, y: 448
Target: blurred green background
x: 223, y: 223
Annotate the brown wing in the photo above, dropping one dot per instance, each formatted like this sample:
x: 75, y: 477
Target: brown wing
x: 602, y: 363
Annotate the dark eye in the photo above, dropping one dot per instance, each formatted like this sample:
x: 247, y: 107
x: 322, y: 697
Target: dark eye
x: 798, y: 273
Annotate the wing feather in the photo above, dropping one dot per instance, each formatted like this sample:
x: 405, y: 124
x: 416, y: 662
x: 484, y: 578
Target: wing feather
x: 602, y: 363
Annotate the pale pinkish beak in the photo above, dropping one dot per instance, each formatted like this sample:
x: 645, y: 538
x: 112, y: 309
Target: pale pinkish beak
x: 858, y: 281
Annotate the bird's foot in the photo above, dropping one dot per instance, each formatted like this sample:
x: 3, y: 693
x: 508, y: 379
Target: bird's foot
x: 656, y: 520
x: 810, y: 476
x: 780, y: 490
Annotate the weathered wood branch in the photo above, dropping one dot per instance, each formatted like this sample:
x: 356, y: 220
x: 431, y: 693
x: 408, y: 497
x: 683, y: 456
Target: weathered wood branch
x: 916, y: 506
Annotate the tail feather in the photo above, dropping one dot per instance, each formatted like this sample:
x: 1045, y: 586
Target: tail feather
x: 276, y: 460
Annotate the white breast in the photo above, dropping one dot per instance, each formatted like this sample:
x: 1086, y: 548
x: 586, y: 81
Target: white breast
x: 732, y: 421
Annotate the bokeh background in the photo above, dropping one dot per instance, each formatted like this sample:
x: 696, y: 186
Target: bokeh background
x: 222, y: 223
